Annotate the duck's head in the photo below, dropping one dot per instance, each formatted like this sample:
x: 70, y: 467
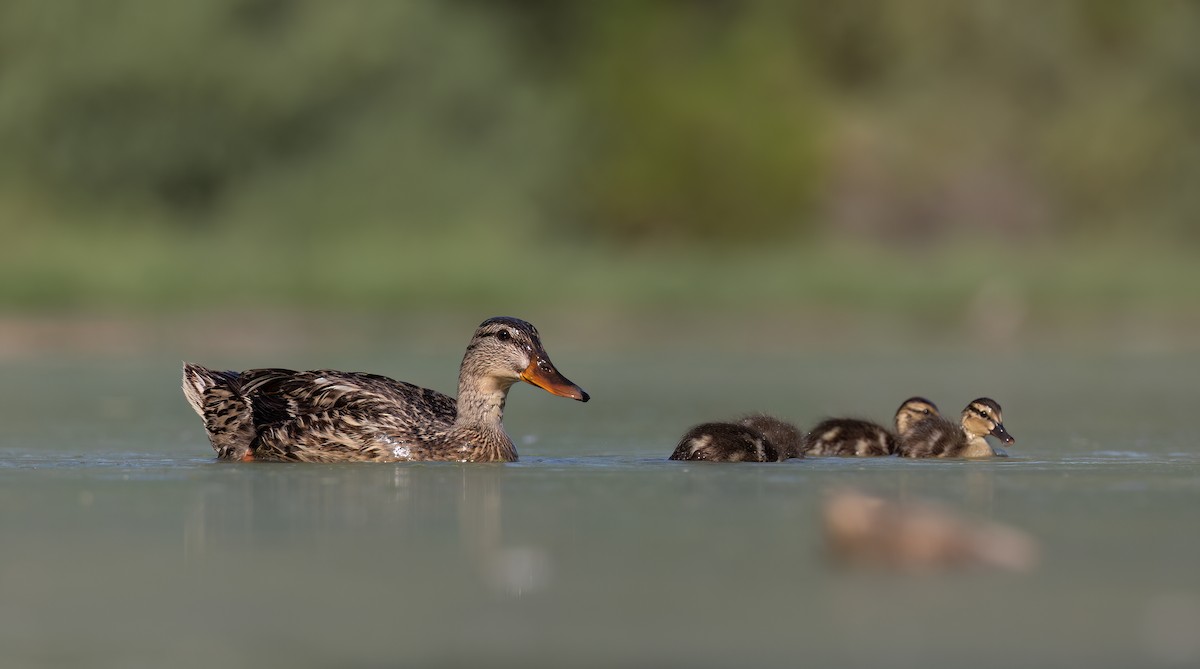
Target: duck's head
x: 914, y: 410
x: 983, y: 417
x: 508, y: 350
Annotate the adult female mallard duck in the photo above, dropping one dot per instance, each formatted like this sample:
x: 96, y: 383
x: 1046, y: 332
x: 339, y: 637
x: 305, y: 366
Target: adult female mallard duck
x: 854, y: 437
x: 331, y: 416
x: 754, y: 438
x: 936, y: 437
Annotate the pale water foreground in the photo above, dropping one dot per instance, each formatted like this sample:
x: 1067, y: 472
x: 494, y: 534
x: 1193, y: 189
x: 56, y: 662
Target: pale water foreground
x: 126, y: 545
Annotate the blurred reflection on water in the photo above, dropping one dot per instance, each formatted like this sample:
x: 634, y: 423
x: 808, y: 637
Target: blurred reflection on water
x: 336, y: 505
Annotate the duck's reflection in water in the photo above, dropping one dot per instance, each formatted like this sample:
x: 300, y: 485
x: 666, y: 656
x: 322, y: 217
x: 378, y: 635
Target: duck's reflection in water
x: 975, y: 492
x: 918, y: 535
x: 514, y: 570
x: 438, y: 519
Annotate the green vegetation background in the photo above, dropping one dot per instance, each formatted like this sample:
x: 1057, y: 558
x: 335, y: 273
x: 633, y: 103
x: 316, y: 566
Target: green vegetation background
x: 917, y: 160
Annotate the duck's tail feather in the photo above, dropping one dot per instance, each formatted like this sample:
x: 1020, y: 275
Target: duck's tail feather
x: 197, y: 380
x: 228, y: 418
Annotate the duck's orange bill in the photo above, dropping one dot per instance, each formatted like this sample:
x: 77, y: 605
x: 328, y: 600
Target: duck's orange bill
x: 543, y: 375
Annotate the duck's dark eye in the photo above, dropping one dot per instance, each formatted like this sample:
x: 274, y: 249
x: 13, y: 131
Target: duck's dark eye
x: 503, y: 335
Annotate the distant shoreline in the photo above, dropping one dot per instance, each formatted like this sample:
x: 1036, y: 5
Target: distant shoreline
x: 276, y: 332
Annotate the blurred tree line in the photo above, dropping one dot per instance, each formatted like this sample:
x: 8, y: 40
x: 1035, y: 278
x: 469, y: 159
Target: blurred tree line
x: 620, y: 122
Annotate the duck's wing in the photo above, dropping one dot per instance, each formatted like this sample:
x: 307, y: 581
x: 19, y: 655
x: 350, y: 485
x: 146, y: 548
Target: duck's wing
x: 278, y: 396
x: 348, y: 436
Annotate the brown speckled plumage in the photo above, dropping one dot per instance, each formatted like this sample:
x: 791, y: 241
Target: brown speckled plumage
x: 332, y: 416
x: 937, y: 437
x: 862, y: 438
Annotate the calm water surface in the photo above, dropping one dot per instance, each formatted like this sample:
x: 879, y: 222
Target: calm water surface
x: 126, y: 545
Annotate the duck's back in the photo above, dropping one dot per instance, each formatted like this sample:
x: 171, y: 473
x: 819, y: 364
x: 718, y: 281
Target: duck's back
x: 933, y: 437
x: 725, y: 442
x: 849, y: 437
x: 320, y: 415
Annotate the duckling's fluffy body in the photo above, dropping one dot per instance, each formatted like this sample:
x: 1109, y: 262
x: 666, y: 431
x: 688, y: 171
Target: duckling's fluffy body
x: 332, y: 416
x: 785, y: 437
x: 936, y: 437
x: 754, y: 438
x: 863, y: 438
x: 725, y: 442
x: 849, y: 437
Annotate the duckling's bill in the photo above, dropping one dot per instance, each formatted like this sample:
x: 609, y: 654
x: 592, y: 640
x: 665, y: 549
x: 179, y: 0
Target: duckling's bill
x: 543, y: 374
x: 1000, y: 433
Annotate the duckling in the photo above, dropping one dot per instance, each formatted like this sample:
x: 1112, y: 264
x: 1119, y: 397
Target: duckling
x: 936, y: 437
x: 725, y: 442
x: 332, y: 416
x: 785, y: 437
x: 854, y: 437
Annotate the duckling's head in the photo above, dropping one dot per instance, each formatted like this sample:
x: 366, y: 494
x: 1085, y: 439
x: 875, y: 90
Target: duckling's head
x: 982, y: 417
x: 913, y: 410
x: 505, y: 350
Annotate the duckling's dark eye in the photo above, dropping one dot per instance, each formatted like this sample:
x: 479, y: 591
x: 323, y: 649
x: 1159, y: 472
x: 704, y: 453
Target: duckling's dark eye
x: 503, y: 335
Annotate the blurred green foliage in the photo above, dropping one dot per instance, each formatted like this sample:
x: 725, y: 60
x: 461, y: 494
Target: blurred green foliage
x: 305, y: 147
x: 705, y: 122
x: 261, y: 113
